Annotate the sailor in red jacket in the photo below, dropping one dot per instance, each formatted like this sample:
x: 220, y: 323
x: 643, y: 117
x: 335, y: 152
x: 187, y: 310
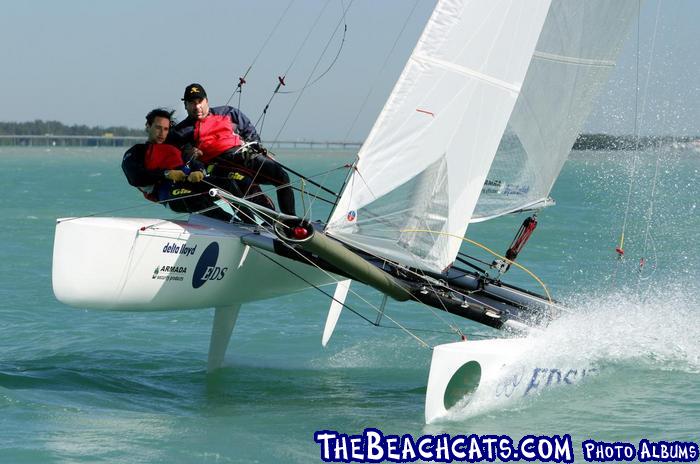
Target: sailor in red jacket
x: 158, y: 170
x: 214, y: 137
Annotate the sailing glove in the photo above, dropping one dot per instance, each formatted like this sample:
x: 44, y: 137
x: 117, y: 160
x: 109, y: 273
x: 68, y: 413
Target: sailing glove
x: 248, y: 155
x: 195, y: 176
x: 175, y: 175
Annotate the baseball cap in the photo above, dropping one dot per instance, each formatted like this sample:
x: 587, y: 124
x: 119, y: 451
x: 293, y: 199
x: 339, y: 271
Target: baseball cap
x: 194, y: 91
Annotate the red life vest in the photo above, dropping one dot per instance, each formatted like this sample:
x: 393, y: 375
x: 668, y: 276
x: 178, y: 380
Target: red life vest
x: 214, y: 135
x: 162, y: 156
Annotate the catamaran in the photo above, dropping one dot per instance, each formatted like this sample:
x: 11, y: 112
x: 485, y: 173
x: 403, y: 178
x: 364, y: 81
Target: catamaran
x: 478, y: 125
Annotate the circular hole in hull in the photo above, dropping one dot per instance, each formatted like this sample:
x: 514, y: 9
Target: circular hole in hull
x: 463, y: 383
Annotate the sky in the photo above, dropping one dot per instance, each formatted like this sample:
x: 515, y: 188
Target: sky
x: 108, y: 63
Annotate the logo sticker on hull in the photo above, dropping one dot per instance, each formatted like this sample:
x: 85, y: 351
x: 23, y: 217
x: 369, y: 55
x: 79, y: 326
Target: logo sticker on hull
x: 182, y: 249
x: 206, y: 268
x: 169, y: 273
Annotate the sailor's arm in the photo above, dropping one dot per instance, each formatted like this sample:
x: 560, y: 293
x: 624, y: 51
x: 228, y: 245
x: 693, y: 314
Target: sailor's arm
x: 135, y: 171
x: 244, y: 127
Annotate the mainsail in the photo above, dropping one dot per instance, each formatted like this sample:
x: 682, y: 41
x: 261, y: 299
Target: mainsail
x: 425, y: 161
x: 576, y: 50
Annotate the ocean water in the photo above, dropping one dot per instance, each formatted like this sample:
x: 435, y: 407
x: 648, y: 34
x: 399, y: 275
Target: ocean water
x: 80, y: 385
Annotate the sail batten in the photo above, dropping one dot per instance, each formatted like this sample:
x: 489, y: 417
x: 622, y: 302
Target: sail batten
x: 574, y: 60
x: 536, y: 205
x: 446, y: 65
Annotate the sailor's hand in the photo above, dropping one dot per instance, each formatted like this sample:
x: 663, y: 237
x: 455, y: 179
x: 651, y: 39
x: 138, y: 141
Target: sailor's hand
x: 175, y: 175
x: 262, y: 151
x: 195, y: 176
x: 248, y: 155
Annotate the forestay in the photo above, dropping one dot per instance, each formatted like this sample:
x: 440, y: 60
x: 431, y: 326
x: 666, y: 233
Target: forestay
x: 425, y: 161
x: 578, y: 47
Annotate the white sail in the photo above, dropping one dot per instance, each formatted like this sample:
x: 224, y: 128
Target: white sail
x: 427, y: 156
x: 576, y: 50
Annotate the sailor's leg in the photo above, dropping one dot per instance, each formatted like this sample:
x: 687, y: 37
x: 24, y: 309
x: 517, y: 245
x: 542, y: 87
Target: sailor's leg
x: 224, y: 321
x: 181, y: 200
x: 260, y: 170
x: 222, y: 180
x: 271, y: 173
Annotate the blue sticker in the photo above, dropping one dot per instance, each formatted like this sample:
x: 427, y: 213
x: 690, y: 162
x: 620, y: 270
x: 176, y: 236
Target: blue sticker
x: 206, y: 268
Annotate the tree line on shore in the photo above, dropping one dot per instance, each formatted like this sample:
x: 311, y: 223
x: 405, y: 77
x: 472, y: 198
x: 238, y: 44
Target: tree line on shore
x: 39, y: 127
x: 583, y: 142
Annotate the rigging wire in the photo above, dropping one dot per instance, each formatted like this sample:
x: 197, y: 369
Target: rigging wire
x: 318, y: 62
x: 351, y: 309
x: 354, y: 311
x: 369, y: 93
x: 337, y: 55
x: 382, y: 69
x: 464, y: 295
x: 330, y: 66
x: 309, y: 179
x: 350, y: 177
x: 140, y: 205
x: 328, y: 274
x: 314, y: 197
x: 461, y: 256
x: 312, y: 264
x: 638, y: 123
x: 454, y: 328
x: 620, y: 249
x: 309, y: 283
x: 650, y: 211
x: 242, y: 80
x: 539, y: 281
x: 281, y: 79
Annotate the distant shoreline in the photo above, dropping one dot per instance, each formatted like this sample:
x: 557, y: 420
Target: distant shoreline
x: 49, y: 140
x: 583, y: 142
x: 54, y: 133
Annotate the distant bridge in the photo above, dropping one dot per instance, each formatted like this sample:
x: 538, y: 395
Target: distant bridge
x: 49, y: 140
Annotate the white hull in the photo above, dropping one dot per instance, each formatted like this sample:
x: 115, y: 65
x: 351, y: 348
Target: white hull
x: 460, y: 371
x: 139, y: 264
x: 472, y: 376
